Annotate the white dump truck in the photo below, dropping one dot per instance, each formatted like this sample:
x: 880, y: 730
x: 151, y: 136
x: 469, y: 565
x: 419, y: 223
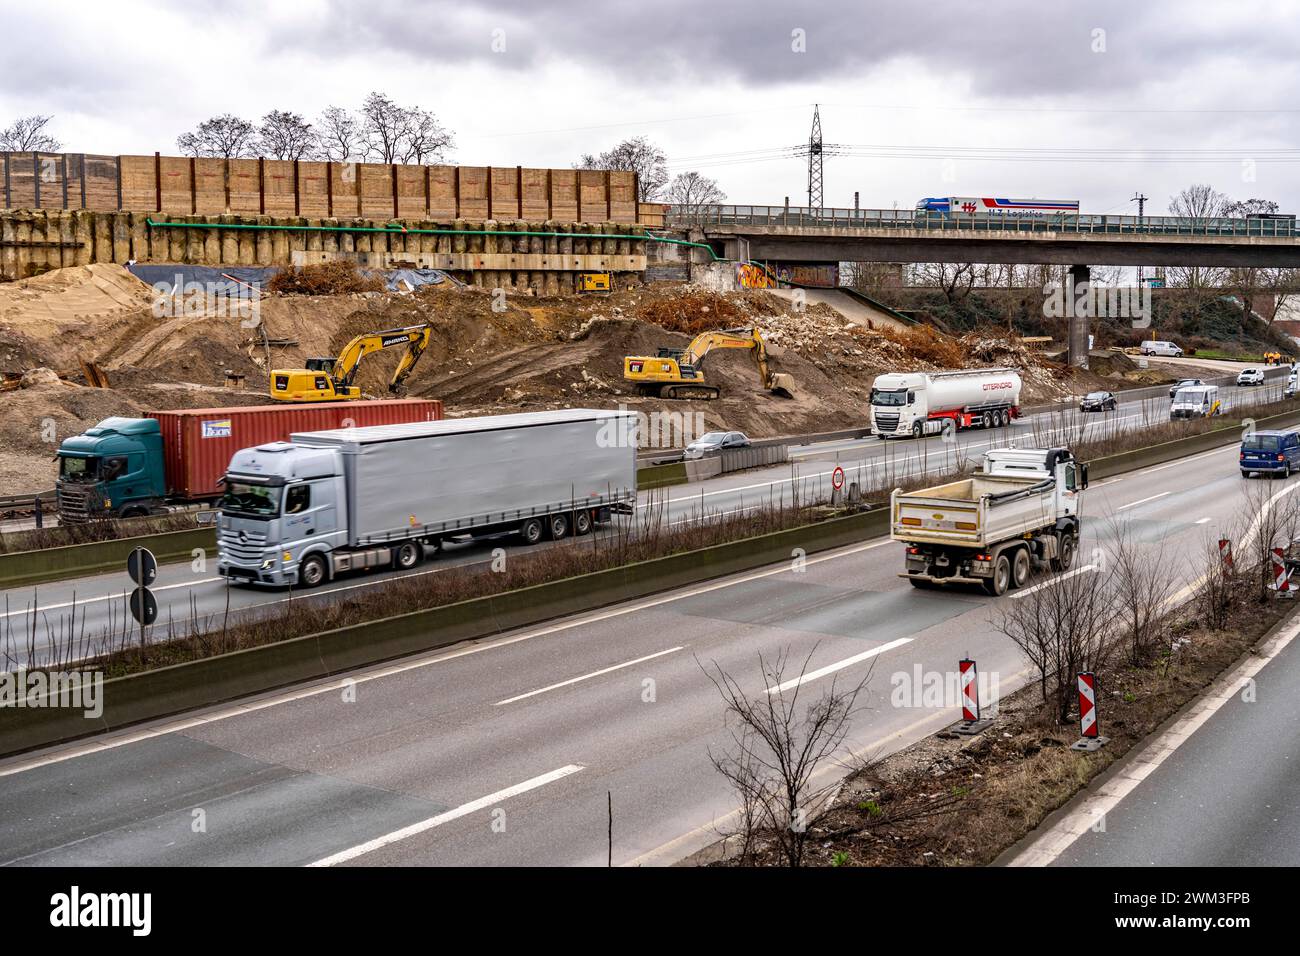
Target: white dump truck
x: 923, y: 403
x: 327, y: 502
x: 1021, y: 506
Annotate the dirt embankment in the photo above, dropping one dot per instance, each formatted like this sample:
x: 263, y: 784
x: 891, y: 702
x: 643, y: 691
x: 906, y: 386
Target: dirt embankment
x: 488, y: 354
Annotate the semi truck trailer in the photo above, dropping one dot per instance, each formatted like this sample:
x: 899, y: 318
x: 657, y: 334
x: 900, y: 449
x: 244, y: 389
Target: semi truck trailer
x: 126, y: 467
x: 1021, y: 506
x: 328, y: 502
x: 925, y: 403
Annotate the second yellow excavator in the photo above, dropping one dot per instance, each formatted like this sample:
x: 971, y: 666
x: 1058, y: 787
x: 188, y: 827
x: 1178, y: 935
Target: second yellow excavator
x: 330, y: 379
x: 676, y: 373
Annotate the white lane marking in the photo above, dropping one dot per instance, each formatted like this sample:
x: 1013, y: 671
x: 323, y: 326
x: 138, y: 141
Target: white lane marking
x: 1137, y: 766
x: 1184, y: 461
x: 837, y: 666
x: 122, y: 738
x: 578, y: 680
x: 1202, y: 520
x: 81, y: 602
x: 1141, y: 501
x: 455, y: 813
x: 1055, y: 580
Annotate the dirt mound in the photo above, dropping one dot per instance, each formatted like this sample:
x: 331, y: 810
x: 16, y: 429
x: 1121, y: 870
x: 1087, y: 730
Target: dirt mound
x: 339, y: 277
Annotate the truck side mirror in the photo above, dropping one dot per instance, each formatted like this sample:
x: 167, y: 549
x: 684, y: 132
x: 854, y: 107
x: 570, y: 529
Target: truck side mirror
x: 1083, y: 474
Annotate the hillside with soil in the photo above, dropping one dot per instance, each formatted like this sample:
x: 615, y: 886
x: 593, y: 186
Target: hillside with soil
x: 488, y: 354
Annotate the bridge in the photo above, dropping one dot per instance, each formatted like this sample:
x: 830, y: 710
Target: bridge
x: 794, y: 234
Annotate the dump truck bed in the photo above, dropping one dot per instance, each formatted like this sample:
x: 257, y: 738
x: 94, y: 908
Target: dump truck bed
x: 974, y: 512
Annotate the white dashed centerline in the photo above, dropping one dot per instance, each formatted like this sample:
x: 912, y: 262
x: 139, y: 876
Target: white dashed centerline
x: 578, y: 680
x: 837, y: 666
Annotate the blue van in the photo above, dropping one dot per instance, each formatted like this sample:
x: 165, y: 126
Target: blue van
x: 1270, y: 452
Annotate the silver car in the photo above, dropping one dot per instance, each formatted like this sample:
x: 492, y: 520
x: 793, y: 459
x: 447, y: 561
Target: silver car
x: 714, y: 442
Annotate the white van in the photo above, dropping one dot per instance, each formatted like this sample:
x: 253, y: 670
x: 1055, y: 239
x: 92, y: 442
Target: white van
x: 1156, y: 347
x: 1196, y: 401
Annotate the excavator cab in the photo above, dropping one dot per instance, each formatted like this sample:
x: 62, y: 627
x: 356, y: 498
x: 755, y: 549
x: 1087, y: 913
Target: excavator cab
x: 331, y: 379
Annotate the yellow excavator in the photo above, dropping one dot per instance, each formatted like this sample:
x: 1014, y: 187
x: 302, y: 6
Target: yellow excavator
x: 676, y: 373
x: 330, y: 379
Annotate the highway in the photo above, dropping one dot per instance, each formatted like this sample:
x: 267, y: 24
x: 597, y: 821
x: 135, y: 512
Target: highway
x: 34, y: 619
x: 504, y: 751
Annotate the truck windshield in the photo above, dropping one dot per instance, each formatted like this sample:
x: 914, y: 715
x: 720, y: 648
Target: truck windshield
x: 78, y: 469
x: 1262, y: 443
x: 258, y: 501
x: 1189, y: 396
x: 888, y: 397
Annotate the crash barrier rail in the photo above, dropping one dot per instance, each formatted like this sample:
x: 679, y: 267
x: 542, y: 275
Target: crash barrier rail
x: 21, y: 568
x: 842, y: 218
x: 214, y: 680
x: 29, y: 500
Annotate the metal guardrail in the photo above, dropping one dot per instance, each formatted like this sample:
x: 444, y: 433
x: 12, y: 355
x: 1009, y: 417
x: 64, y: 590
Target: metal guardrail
x: 796, y: 216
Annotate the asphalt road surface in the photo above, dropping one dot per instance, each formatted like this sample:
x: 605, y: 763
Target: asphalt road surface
x: 504, y: 751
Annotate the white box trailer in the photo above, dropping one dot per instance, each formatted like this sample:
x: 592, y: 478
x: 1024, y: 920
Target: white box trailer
x: 1023, y: 504
x: 332, y: 501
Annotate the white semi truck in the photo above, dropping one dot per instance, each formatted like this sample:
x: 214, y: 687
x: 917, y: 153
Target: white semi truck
x: 1021, y: 506
x: 328, y: 502
x: 923, y: 403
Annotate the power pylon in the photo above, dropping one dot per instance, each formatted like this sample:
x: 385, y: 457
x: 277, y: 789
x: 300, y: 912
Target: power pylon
x: 816, y: 151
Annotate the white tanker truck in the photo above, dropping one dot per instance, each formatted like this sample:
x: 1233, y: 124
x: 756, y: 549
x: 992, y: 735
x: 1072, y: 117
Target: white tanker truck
x: 921, y: 403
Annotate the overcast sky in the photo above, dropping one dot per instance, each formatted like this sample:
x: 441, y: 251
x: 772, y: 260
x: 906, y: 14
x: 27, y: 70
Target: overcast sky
x: 930, y: 80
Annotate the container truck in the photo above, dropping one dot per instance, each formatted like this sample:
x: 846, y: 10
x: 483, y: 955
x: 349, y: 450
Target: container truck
x: 922, y: 403
x: 126, y: 467
x: 1022, y: 506
x: 328, y: 502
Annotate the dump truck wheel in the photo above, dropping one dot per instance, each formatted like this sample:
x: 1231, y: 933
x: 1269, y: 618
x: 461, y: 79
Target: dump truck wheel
x: 1001, y: 580
x: 1064, y: 553
x: 1020, y: 568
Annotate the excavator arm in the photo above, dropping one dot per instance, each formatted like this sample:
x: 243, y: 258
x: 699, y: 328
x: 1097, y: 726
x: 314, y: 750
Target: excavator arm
x: 681, y: 377
x: 330, y: 379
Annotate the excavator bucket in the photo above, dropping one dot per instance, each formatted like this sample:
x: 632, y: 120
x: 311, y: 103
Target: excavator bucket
x: 782, y: 384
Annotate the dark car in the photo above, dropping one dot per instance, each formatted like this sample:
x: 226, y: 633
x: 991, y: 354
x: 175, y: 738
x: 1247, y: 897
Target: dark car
x: 1183, y: 383
x: 1099, y: 402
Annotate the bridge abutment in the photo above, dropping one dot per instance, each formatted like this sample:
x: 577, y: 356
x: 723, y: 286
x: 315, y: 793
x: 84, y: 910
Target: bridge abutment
x: 1079, y: 313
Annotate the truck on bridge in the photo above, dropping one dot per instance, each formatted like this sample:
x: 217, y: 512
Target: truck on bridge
x: 924, y: 403
x: 989, y: 207
x: 1022, y: 506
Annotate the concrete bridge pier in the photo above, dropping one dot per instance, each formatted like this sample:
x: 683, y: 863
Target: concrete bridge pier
x: 1079, y: 312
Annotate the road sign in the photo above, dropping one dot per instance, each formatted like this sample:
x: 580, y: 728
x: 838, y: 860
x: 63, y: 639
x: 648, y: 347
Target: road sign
x: 970, y: 694
x: 1281, y: 574
x: 142, y: 566
x: 837, y: 478
x: 1087, y: 705
x: 144, y: 606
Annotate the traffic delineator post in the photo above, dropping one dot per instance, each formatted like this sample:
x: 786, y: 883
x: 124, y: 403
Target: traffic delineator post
x: 1281, y: 573
x: 1225, y: 553
x: 1089, y: 730
x: 971, y: 722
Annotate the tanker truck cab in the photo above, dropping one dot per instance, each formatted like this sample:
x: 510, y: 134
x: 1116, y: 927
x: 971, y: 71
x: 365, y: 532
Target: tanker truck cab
x: 280, y: 515
x: 112, y: 470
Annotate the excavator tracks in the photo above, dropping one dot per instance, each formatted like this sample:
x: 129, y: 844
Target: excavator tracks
x: 705, y: 392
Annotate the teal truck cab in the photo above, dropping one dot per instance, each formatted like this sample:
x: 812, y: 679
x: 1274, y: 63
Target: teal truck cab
x: 114, y: 470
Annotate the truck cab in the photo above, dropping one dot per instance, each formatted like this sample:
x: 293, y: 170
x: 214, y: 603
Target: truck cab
x: 114, y: 470
x: 282, y: 514
x: 1196, y: 401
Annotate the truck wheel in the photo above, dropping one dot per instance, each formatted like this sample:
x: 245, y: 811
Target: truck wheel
x: 557, y: 526
x: 1001, y: 580
x: 582, y: 522
x: 408, y: 555
x: 917, y: 429
x: 988, y: 419
x: 1020, y: 568
x: 1064, y: 553
x: 312, y: 571
x: 531, y: 531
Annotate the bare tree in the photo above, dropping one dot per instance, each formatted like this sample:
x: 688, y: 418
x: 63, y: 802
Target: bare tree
x: 27, y: 134
x: 1062, y: 629
x: 639, y: 155
x: 777, y: 749
x: 339, y: 135
x: 1143, y: 583
x: 1198, y: 204
x: 225, y: 137
x: 426, y: 139
x: 954, y: 279
x: 398, y: 134
x: 689, y: 193
x: 285, y: 135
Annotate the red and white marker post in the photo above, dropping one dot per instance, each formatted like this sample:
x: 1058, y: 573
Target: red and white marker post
x: 1089, y: 734
x: 971, y: 723
x: 1225, y: 553
x: 1281, y: 573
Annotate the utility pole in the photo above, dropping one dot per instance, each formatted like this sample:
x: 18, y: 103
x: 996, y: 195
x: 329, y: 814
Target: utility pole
x: 815, y: 161
x: 1141, y: 200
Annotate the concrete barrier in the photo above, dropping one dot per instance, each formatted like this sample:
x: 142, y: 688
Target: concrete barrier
x: 183, y: 687
x: 22, y: 568
x: 756, y: 456
x: 657, y: 476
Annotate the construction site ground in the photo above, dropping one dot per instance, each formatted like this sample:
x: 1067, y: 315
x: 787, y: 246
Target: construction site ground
x: 489, y: 354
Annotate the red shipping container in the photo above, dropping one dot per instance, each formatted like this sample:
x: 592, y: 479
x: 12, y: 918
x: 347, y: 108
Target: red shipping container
x: 198, y: 443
